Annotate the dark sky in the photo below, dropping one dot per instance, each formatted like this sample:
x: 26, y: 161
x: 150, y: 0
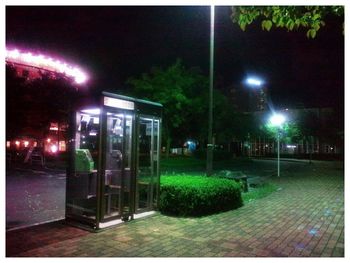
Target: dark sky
x: 117, y: 42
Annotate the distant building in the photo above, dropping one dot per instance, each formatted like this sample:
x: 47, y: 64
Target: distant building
x: 326, y: 137
x: 247, y: 99
x: 257, y: 99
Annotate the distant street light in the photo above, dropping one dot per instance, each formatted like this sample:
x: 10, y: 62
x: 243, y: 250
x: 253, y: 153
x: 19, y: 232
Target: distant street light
x: 277, y: 120
x: 254, y: 82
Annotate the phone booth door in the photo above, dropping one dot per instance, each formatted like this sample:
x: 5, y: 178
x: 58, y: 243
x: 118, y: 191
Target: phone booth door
x: 116, y: 177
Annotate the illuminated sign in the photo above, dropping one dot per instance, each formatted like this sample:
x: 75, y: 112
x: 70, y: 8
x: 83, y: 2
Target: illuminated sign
x: 46, y: 63
x: 118, y: 103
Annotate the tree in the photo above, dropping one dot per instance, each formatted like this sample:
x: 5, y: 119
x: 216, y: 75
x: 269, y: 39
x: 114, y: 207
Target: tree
x: 179, y: 90
x: 290, y: 17
x: 289, y: 132
x: 32, y: 104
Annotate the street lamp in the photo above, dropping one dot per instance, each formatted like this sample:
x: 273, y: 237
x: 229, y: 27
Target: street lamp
x: 254, y: 82
x: 210, y: 146
x: 277, y: 120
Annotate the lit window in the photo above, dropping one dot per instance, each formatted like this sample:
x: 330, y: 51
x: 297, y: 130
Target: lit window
x: 62, y: 146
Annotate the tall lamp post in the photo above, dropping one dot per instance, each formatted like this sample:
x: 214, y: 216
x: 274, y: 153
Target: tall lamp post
x: 277, y: 121
x: 210, y: 146
x: 253, y: 83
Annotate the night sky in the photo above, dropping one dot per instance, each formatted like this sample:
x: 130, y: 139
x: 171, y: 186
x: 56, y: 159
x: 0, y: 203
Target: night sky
x: 115, y: 43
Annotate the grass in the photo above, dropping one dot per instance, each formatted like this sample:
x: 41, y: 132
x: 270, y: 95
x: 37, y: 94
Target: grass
x: 181, y: 163
x: 259, y: 192
x: 188, y: 163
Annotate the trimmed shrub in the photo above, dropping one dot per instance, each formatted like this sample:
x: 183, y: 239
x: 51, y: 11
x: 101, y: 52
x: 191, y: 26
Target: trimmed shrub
x: 198, y: 195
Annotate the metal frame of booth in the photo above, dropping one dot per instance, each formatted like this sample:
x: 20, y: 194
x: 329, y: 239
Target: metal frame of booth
x: 113, y: 169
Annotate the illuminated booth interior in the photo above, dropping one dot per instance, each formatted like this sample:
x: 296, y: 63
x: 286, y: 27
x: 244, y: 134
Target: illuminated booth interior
x: 113, y: 172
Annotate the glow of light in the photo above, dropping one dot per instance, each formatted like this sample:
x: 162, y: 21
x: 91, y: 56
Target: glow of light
x: 62, y: 146
x: 313, y: 232
x: 96, y: 120
x: 118, y: 103
x: 93, y: 133
x: 13, y: 54
x: 291, y: 146
x: 17, y: 143
x: 277, y: 120
x: 48, y: 140
x: 8, y: 144
x: 46, y: 63
x: 53, y: 128
x: 53, y: 148
x: 92, y: 111
x: 26, y: 143
x: 255, y: 82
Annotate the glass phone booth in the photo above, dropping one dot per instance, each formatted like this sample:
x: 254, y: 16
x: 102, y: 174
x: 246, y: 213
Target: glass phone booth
x: 113, y: 170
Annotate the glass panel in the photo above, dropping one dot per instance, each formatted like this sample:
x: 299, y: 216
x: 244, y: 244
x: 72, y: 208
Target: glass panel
x: 145, y: 167
x: 81, y: 185
x: 118, y: 161
x: 127, y: 163
x: 155, y: 161
x: 114, y: 159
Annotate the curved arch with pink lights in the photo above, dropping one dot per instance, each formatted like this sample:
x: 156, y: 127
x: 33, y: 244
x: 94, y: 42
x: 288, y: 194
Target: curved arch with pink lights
x: 41, y: 61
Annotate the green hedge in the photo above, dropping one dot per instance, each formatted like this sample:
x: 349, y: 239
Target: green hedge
x: 198, y: 195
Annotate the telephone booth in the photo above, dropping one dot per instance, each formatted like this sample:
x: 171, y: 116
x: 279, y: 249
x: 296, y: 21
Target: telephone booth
x: 113, y: 171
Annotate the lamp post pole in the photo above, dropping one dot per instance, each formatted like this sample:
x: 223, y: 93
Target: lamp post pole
x: 277, y: 121
x: 278, y: 152
x: 210, y: 145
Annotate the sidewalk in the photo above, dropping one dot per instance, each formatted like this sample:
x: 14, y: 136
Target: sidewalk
x: 304, y: 218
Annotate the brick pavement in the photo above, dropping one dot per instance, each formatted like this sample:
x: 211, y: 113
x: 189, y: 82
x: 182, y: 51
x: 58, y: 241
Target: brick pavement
x: 304, y: 218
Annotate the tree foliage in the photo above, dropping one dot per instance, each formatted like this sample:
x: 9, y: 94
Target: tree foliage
x: 32, y: 104
x: 184, y: 94
x: 289, y: 132
x: 178, y: 89
x: 291, y: 18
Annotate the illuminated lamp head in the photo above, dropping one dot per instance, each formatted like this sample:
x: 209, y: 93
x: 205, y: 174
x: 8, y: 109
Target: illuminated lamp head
x: 277, y: 120
x: 254, y: 82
